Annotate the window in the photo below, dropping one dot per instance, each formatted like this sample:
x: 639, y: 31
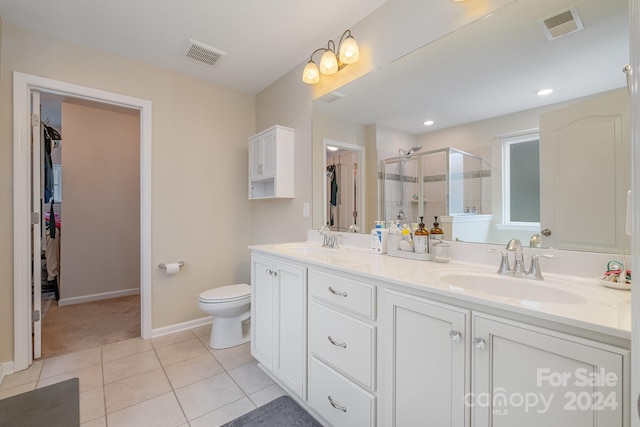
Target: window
x: 521, y: 181
x: 57, y: 183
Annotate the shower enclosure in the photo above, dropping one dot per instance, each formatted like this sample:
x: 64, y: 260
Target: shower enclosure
x: 443, y: 182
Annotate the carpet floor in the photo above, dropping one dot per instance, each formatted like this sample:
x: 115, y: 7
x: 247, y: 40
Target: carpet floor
x: 283, y: 411
x: 70, y: 328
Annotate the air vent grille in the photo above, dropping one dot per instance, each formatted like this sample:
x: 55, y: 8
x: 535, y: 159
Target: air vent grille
x: 205, y: 54
x: 561, y: 24
x: 331, y: 96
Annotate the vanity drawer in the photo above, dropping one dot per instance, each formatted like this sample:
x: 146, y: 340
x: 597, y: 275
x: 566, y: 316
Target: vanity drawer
x: 352, y: 295
x: 343, y: 342
x: 337, y: 399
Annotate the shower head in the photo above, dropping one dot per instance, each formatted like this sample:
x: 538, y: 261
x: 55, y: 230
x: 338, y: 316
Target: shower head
x: 413, y: 150
x: 406, y: 154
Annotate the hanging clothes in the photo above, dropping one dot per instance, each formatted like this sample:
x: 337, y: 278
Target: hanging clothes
x: 50, y: 135
x: 333, y: 199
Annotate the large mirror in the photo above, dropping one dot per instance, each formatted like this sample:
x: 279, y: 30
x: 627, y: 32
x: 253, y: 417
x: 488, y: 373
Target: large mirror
x: 563, y: 156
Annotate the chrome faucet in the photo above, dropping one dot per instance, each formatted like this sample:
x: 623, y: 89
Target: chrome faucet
x: 515, y: 245
x: 329, y: 239
x: 518, y: 269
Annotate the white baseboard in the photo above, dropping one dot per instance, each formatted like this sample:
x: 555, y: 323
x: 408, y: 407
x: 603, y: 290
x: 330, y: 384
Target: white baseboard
x: 179, y: 327
x: 98, y: 297
x: 6, y: 368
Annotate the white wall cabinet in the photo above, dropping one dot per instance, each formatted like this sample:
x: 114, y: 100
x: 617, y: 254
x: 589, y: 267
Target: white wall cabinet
x: 271, y: 163
x: 525, y: 376
x: 426, y: 357
x: 278, y: 326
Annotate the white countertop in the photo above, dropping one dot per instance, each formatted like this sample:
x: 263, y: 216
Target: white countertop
x: 596, y: 308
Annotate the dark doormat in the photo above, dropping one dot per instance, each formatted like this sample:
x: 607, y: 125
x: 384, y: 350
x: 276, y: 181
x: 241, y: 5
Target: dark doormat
x: 57, y: 405
x: 280, y: 412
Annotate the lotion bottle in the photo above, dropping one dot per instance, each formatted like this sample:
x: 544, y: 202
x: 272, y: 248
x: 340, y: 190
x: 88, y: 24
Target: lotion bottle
x: 421, y: 239
x: 435, y: 234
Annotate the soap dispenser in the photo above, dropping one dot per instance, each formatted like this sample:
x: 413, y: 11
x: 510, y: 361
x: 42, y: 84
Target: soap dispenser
x: 421, y: 239
x: 435, y: 234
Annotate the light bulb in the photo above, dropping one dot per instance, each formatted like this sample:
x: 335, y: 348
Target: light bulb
x: 349, y: 51
x: 311, y: 75
x: 328, y: 63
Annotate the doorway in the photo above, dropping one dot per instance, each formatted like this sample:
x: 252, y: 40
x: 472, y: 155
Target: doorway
x: 24, y: 85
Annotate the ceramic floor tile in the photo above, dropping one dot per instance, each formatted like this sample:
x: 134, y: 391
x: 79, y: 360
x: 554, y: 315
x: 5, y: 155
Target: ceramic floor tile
x: 250, y: 378
x: 202, y: 330
x: 208, y: 395
x: 192, y: 370
x: 233, y: 357
x: 98, y: 422
x: 91, y: 404
x: 125, y: 348
x: 29, y: 375
x: 12, y: 391
x: 130, y: 366
x: 89, y: 378
x: 70, y: 362
x: 266, y: 395
x: 133, y: 390
x: 225, y: 414
x: 166, y: 340
x: 180, y: 351
x: 160, y: 411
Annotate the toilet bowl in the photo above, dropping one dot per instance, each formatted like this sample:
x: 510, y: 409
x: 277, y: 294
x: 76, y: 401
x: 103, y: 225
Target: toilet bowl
x: 230, y: 306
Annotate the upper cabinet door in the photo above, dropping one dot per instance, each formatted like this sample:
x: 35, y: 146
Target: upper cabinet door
x: 585, y: 173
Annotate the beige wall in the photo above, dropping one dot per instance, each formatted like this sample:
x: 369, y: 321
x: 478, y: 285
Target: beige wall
x: 100, y: 245
x: 200, y: 211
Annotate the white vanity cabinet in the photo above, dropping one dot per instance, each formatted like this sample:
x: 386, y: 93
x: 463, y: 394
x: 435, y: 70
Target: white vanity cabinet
x: 271, y: 163
x: 526, y: 376
x: 278, y: 320
x: 342, y: 349
x: 426, y: 360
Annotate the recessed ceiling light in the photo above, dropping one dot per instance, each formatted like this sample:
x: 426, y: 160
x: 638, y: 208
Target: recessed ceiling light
x: 332, y: 148
x: 429, y: 122
x: 543, y: 92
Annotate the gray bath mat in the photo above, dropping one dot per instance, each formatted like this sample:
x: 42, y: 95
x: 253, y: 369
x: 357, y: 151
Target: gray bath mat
x: 280, y: 412
x: 57, y: 405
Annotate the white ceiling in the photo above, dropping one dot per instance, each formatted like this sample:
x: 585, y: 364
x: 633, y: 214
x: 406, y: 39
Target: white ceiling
x: 493, y: 67
x: 263, y: 39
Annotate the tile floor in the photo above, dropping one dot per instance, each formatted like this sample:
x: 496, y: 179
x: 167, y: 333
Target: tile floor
x: 174, y: 381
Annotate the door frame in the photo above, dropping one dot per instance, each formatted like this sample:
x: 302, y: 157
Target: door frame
x: 22, y: 86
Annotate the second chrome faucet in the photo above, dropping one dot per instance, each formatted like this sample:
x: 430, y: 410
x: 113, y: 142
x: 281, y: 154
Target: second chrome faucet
x: 518, y: 268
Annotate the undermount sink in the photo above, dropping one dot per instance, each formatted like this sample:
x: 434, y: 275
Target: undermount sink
x: 544, y: 291
x: 305, y: 249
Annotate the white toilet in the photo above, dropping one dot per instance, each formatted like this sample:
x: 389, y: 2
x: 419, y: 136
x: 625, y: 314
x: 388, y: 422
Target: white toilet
x: 229, y: 306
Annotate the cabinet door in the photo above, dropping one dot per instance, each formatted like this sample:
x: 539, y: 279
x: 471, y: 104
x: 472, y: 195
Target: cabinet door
x: 530, y: 377
x: 256, y: 166
x: 269, y: 154
x: 262, y: 310
x: 289, y: 363
x: 425, y: 357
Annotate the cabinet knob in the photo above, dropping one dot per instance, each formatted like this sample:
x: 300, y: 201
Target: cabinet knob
x: 335, y: 405
x: 337, y: 344
x: 271, y: 272
x: 455, y: 336
x: 546, y: 232
x: 478, y: 343
x: 342, y: 294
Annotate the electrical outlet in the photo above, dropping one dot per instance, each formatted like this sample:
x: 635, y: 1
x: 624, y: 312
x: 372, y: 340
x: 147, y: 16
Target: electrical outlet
x: 305, y: 210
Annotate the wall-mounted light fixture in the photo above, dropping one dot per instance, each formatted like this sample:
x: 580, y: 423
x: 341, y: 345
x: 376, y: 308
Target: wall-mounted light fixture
x: 330, y: 63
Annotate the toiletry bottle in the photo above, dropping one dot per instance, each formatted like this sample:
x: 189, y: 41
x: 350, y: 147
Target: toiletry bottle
x: 435, y: 234
x: 421, y: 239
x: 379, y: 237
x: 395, y: 235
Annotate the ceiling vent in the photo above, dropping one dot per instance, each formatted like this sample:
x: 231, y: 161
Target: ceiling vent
x: 561, y: 24
x: 332, y: 96
x: 205, y: 54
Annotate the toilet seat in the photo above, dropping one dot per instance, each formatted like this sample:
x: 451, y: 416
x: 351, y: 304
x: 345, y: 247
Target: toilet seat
x: 228, y: 293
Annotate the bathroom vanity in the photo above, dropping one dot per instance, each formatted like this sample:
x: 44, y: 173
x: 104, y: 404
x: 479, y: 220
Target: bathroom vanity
x: 367, y: 340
